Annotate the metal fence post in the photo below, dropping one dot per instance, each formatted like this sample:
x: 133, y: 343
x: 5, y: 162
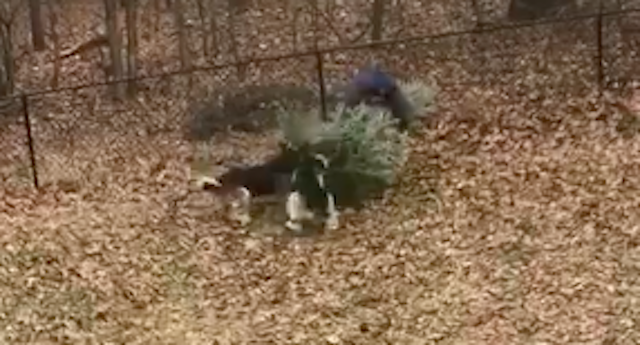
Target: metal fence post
x: 321, y: 84
x: 27, y: 124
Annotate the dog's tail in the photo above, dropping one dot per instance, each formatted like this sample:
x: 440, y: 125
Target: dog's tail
x: 208, y: 183
x: 215, y: 186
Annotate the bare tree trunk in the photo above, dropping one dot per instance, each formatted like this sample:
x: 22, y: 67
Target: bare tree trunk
x: 132, y: 45
x: 202, y: 13
x: 37, y: 29
x: 478, y: 13
x: 183, y: 44
x: 157, y: 6
x: 7, y: 67
x: 115, y: 47
x: 238, y: 6
x: 7, y: 61
x: 232, y: 9
x: 295, y: 9
x: 55, y: 41
x: 213, y: 28
x: 377, y: 19
x: 315, y: 22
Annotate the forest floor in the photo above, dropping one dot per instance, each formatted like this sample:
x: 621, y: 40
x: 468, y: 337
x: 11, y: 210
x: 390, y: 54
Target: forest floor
x: 516, y: 221
x: 505, y: 229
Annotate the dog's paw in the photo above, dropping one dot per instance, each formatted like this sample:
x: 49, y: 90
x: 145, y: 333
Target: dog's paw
x: 332, y: 223
x: 241, y: 218
x: 293, y: 226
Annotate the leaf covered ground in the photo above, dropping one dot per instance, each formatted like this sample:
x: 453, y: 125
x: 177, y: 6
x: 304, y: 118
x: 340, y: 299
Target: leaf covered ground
x: 504, y: 230
x: 516, y: 220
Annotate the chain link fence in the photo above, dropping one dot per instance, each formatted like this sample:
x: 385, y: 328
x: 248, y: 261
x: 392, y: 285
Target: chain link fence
x: 81, y: 136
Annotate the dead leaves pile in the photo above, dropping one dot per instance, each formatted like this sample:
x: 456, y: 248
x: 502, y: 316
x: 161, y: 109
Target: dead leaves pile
x: 506, y: 229
x: 516, y: 222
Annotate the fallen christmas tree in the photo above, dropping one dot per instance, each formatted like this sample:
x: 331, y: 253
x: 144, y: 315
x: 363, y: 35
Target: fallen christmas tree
x: 363, y: 146
x: 363, y: 149
x: 360, y: 149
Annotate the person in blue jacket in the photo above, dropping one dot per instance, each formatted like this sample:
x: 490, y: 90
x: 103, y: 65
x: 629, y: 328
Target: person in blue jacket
x: 375, y: 87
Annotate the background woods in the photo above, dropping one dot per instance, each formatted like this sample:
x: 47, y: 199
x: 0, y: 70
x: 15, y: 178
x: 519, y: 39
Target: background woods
x: 181, y: 34
x: 208, y: 65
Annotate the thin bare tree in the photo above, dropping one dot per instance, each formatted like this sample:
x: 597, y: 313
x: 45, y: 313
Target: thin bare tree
x: 131, y: 8
x: 204, y: 30
x: 295, y: 9
x: 477, y: 11
x: 37, y: 28
x: 377, y: 19
x: 115, y: 47
x: 183, y: 44
x: 55, y: 41
x: 157, y: 9
x: 233, y: 10
x: 214, y: 32
x: 8, y: 15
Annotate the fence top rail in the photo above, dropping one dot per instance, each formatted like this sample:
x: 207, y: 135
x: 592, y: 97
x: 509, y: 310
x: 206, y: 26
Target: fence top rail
x: 338, y: 48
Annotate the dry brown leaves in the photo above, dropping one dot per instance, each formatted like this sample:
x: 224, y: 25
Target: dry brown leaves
x: 531, y: 238
x: 516, y: 223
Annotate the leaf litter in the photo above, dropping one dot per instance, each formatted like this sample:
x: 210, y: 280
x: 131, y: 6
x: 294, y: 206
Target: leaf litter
x: 531, y: 236
x: 515, y: 222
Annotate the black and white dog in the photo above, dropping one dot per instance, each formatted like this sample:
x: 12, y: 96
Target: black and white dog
x: 298, y: 177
